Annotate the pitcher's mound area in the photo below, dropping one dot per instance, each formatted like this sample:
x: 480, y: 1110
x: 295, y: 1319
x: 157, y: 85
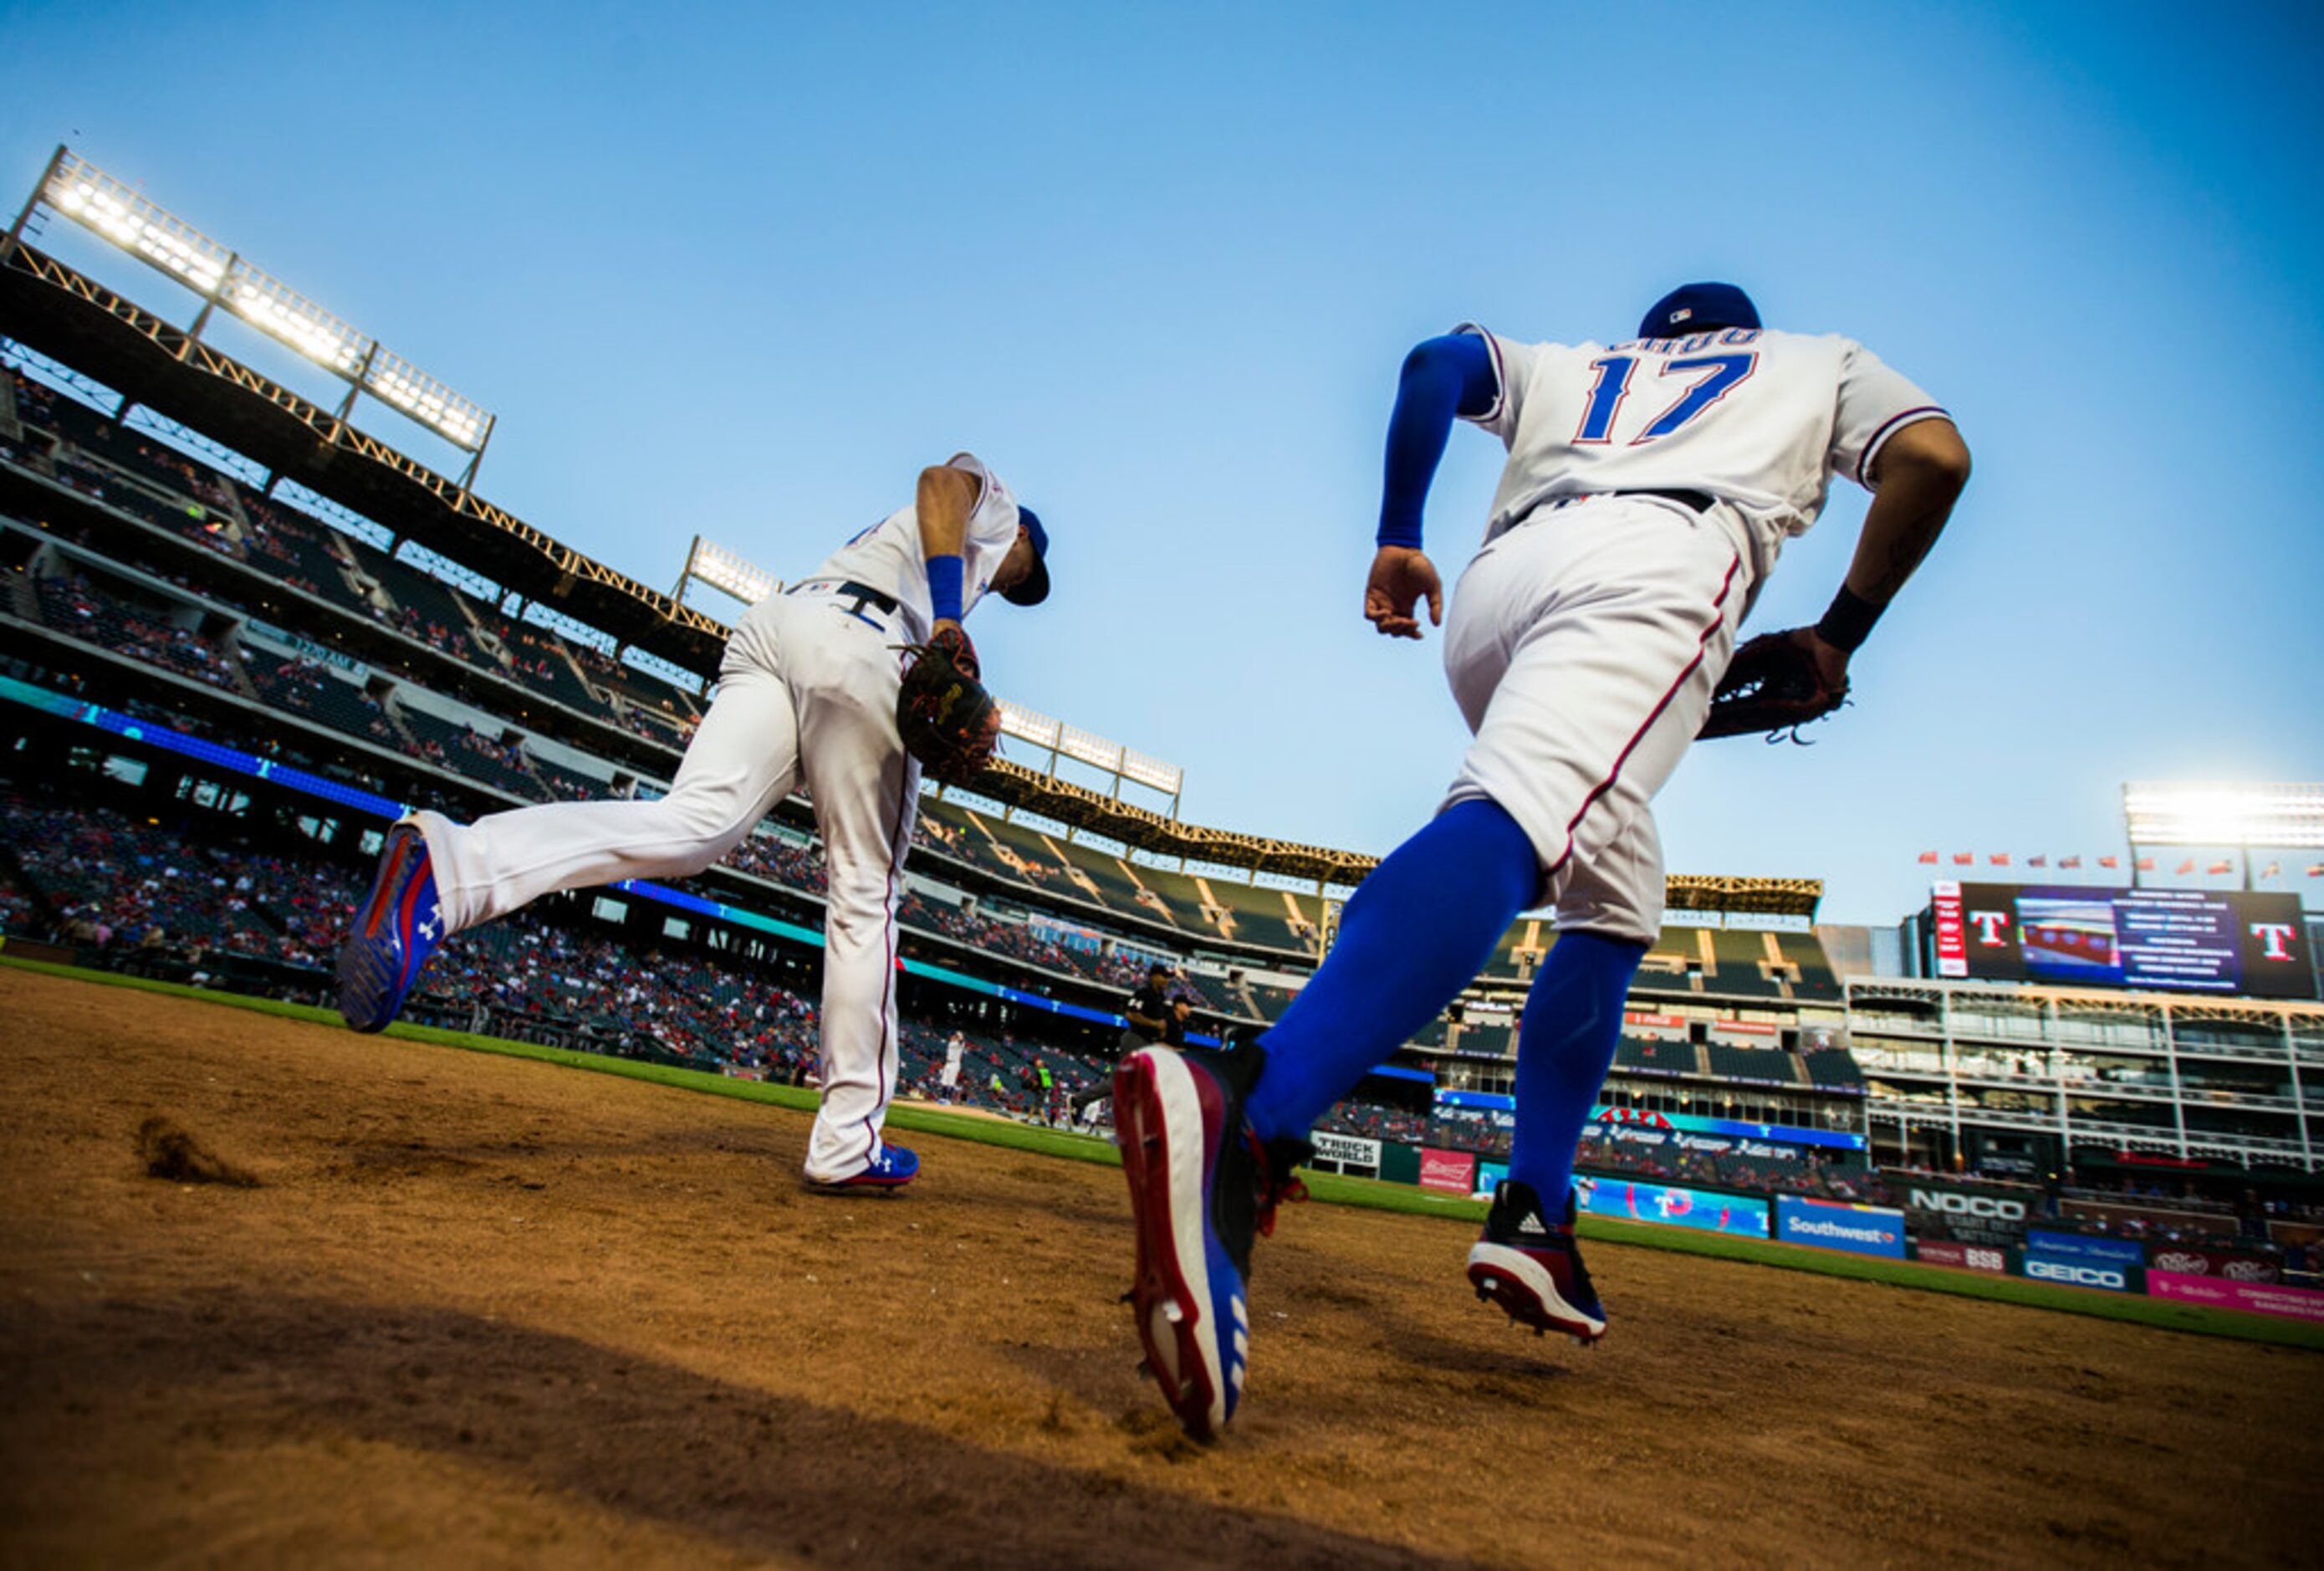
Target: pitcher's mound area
x: 473, y: 1310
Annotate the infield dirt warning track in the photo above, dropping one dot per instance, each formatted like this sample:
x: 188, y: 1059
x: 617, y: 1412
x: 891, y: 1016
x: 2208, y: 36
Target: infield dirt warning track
x: 484, y: 1311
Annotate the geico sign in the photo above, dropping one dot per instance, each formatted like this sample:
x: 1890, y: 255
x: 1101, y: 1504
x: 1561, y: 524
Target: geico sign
x: 1952, y: 1205
x: 2078, y: 1276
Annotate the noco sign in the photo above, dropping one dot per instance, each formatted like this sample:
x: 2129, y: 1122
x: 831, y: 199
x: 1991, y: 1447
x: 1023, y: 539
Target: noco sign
x: 1968, y: 1214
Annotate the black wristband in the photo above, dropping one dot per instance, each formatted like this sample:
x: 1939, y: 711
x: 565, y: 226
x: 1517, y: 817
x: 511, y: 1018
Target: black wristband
x: 1850, y: 621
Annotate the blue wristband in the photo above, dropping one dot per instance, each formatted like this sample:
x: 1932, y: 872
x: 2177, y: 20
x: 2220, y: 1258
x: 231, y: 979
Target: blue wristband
x: 944, y: 587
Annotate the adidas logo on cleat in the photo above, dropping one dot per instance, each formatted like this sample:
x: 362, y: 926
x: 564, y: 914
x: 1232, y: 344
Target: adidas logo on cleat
x: 1531, y: 1223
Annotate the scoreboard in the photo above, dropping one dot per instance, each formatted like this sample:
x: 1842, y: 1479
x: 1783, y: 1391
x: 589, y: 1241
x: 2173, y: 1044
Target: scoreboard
x: 2187, y: 940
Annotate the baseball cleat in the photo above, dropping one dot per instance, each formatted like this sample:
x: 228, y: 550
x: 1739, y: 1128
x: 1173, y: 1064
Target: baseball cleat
x: 1532, y: 1266
x: 395, y: 929
x: 889, y: 1170
x: 1202, y: 1188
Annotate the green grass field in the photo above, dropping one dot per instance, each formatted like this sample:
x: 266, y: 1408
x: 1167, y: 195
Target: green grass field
x: 1327, y: 1189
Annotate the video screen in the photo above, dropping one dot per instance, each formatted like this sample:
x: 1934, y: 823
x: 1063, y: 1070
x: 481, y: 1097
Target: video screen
x: 2189, y: 940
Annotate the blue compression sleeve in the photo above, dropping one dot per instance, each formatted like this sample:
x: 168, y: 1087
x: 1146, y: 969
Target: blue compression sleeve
x: 1421, y: 927
x: 945, y: 586
x: 1572, y: 1022
x: 1441, y: 378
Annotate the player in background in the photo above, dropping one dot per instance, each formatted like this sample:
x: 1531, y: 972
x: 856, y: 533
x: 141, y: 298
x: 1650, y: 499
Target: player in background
x: 806, y: 692
x: 1648, y: 487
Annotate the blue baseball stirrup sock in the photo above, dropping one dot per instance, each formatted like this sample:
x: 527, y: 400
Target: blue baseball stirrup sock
x: 1414, y: 934
x: 1573, y: 1021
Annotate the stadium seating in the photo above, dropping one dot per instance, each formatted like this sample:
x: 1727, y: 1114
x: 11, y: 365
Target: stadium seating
x: 319, y: 692
x: 469, y: 752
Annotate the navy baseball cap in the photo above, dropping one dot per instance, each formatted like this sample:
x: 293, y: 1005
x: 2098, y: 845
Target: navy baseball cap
x: 1697, y: 308
x: 1036, y: 585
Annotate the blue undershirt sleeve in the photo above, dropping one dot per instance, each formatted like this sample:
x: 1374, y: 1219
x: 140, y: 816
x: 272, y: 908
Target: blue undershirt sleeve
x: 1443, y: 377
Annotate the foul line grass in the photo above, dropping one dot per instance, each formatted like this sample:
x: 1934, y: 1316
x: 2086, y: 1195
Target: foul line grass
x: 1327, y: 1188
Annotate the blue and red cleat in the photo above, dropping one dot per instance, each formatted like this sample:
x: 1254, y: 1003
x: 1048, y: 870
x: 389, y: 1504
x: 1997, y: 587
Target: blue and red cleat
x: 396, y: 929
x: 887, y: 1172
x: 1202, y: 1188
x: 1532, y: 1266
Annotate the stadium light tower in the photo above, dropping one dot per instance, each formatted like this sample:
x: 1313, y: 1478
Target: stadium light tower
x: 115, y: 212
x: 2218, y: 813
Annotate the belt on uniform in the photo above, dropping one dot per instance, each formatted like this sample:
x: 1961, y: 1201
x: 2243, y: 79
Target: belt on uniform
x: 1694, y: 501
x: 848, y: 588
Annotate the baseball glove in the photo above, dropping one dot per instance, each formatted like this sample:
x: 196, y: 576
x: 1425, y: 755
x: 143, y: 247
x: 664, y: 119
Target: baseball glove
x: 1773, y: 685
x: 946, y: 718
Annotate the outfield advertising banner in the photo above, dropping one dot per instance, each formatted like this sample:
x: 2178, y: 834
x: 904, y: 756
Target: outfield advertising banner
x: 1454, y: 1172
x: 1490, y: 1176
x: 1705, y: 1210
x: 2179, y: 1259
x: 2073, y: 1261
x: 2084, y: 1246
x: 2184, y: 939
x: 1967, y: 1213
x: 2255, y: 1298
x: 1991, y: 1259
x: 1350, y: 1151
x: 1838, y: 1224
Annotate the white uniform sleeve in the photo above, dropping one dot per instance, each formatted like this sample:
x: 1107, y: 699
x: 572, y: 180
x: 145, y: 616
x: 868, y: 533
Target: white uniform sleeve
x: 1874, y: 403
x: 992, y: 522
x: 1512, y: 367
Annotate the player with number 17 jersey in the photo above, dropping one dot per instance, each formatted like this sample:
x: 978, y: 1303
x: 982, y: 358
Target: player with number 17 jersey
x: 1758, y: 418
x: 1649, y: 486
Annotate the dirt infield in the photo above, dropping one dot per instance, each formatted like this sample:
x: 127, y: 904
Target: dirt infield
x: 484, y: 1311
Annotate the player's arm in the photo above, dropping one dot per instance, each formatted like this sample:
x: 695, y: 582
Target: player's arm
x: 1919, y: 473
x: 946, y: 498
x: 1443, y: 378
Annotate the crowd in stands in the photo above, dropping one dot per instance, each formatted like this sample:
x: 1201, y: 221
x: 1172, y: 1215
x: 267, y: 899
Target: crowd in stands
x: 76, y: 606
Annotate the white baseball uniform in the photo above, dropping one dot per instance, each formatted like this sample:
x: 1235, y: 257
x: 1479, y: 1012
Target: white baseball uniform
x: 1587, y: 636
x: 949, y: 1076
x: 806, y: 691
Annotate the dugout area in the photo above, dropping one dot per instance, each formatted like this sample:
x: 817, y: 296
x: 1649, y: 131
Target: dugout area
x: 481, y: 1311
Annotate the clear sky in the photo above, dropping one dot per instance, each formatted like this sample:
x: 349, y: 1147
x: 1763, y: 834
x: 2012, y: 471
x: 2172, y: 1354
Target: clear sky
x: 742, y: 270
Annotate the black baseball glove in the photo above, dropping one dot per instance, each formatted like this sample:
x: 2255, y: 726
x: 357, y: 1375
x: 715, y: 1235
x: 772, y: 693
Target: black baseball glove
x: 944, y: 713
x: 1774, y: 684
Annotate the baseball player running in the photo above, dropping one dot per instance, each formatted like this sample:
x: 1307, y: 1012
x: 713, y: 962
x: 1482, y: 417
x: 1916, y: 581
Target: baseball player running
x: 807, y: 691
x: 1649, y: 488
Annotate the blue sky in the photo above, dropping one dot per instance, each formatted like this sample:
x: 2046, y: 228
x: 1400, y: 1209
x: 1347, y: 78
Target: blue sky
x: 740, y: 271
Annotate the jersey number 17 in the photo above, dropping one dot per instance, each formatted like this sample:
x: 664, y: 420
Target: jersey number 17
x: 1721, y: 375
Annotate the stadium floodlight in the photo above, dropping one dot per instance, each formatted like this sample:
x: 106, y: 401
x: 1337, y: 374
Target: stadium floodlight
x: 109, y: 208
x: 1076, y: 743
x: 103, y: 205
x: 426, y: 400
x: 282, y: 313
x: 1029, y: 725
x: 1163, y: 777
x: 2211, y: 813
x: 727, y: 572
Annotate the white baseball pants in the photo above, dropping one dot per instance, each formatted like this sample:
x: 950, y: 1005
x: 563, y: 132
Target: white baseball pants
x: 808, y: 689
x: 1582, y: 645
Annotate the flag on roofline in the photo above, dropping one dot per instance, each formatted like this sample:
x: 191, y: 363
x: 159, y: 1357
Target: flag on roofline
x: 2037, y: 862
x: 1964, y: 858
x: 2315, y: 870
x: 2218, y: 867
x: 2109, y: 861
x: 2066, y: 862
x: 2187, y: 867
x: 2146, y: 864
x: 2275, y: 870
x: 1928, y: 859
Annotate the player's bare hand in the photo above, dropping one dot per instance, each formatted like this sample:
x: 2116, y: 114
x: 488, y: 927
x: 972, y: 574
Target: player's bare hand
x: 1401, y: 578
